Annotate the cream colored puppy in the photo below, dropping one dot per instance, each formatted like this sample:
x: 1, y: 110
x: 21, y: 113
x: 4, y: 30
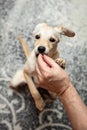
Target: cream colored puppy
x: 46, y: 41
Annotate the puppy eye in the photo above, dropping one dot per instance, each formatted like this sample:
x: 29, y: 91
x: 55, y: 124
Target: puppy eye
x: 37, y: 36
x: 52, y: 39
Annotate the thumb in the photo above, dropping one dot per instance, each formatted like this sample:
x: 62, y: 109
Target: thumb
x: 49, y: 61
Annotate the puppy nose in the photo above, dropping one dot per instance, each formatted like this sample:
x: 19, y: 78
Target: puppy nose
x: 41, y: 49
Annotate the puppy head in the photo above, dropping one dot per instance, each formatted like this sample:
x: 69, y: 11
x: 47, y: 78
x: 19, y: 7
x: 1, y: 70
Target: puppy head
x: 47, y: 37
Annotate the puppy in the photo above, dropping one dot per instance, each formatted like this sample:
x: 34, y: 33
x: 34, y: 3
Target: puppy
x: 46, y: 39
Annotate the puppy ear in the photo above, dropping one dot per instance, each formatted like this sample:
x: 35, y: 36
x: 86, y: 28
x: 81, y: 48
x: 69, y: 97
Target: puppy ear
x: 65, y: 31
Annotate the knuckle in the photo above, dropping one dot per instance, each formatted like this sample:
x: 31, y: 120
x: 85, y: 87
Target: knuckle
x: 47, y: 77
x: 41, y: 81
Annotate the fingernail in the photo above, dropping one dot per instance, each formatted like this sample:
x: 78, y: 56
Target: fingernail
x: 40, y: 56
x: 45, y: 56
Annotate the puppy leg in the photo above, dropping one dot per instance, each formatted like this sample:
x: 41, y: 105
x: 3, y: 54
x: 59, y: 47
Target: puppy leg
x: 25, y: 46
x: 34, y: 92
x: 61, y: 62
x: 17, y: 79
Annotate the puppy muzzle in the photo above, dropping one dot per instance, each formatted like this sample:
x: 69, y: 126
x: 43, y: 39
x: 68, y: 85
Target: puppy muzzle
x: 41, y: 50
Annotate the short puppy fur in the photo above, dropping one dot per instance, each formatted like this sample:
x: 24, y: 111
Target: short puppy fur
x: 46, y: 39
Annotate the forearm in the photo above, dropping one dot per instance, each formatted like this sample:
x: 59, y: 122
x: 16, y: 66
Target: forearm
x: 75, y: 108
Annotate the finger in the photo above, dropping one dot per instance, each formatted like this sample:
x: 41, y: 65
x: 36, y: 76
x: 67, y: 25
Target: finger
x: 39, y: 75
x: 43, y: 66
x: 38, y: 71
x: 49, y: 61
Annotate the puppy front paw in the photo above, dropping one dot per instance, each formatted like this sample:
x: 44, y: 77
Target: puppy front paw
x: 61, y: 62
x: 40, y: 104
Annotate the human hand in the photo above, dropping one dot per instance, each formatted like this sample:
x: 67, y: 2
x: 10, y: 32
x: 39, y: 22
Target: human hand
x: 51, y: 76
x: 55, y: 79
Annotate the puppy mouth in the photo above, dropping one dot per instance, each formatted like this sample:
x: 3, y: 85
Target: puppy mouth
x: 41, y: 50
x: 37, y: 54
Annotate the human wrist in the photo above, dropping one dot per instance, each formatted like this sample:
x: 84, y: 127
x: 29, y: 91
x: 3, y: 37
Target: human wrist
x: 68, y: 95
x: 64, y: 85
